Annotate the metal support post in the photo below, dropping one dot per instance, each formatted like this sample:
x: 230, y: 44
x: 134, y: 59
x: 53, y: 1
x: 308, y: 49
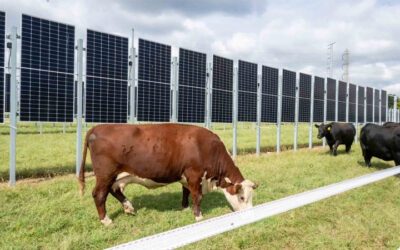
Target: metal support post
x: 13, y: 104
x: 296, y: 112
x: 259, y: 96
x: 41, y: 127
x: 325, y: 107
x: 209, y: 93
x: 365, y: 106
x: 356, y: 137
x: 347, y: 102
x: 79, y: 109
x: 379, y: 107
x: 132, y: 80
x: 174, y: 87
x: 337, y: 101
x: 279, y: 113
x: 64, y: 127
x: 235, y: 111
x: 373, y: 105
x: 310, y: 133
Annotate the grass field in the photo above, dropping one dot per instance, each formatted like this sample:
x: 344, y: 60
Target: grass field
x: 53, y: 153
x: 50, y: 214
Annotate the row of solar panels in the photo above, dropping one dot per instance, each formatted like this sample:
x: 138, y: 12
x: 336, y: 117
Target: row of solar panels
x: 47, y: 83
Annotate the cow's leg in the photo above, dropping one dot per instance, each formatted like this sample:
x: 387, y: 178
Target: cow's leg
x: 367, y: 158
x: 99, y: 194
x: 196, y: 192
x: 335, y: 146
x: 330, y: 148
x: 348, y: 148
x: 185, y: 197
x: 126, y: 204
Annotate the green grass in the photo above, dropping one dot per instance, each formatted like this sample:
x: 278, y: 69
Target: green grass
x: 50, y: 214
x: 53, y: 153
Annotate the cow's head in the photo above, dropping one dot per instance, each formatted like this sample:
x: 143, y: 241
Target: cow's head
x: 323, y: 130
x: 240, y: 195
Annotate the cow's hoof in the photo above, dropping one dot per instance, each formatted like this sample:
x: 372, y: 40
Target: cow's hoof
x: 185, y: 208
x: 199, y: 218
x: 106, y: 221
x: 128, y: 208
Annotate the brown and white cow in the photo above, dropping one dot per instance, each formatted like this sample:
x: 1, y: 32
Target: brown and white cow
x: 157, y: 155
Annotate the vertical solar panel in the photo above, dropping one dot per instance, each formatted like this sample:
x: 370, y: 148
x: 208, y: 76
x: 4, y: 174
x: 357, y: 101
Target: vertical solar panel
x: 47, y: 70
x: 342, y: 101
x: 352, y: 102
x: 370, y: 96
x: 383, y: 105
x: 376, y: 105
x: 106, y: 78
x: 319, y: 90
x: 192, y: 86
x: 304, y: 97
x: 331, y: 100
x: 154, y: 81
x: 361, y: 97
x: 222, y: 97
x: 7, y: 93
x: 2, y: 48
x: 269, y: 94
x: 247, y: 92
x: 288, y: 95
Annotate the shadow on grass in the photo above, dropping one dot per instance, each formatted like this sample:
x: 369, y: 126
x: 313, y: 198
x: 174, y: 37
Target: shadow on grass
x: 376, y: 165
x: 44, y: 172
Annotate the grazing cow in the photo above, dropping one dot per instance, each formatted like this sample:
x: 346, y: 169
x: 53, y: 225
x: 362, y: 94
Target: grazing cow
x: 389, y: 124
x: 336, y: 134
x: 157, y: 155
x: 381, y: 142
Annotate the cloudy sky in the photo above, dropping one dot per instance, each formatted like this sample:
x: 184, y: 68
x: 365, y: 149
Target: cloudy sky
x: 286, y: 34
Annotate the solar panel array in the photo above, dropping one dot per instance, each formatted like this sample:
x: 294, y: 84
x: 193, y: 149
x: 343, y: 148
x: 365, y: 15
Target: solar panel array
x: 342, y: 101
x: 376, y: 105
x: 247, y: 91
x: 288, y: 95
x: 331, y: 100
x: 370, y: 96
x: 361, y: 106
x: 222, y: 97
x: 319, y: 91
x: 192, y: 86
x: 7, y: 93
x: 352, y: 102
x: 269, y: 94
x: 154, y: 81
x: 2, y: 49
x: 106, y: 78
x: 304, y: 97
x: 47, y: 70
x: 383, y: 105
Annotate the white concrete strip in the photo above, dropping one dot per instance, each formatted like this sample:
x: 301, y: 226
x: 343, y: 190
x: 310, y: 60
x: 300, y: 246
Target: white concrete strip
x: 198, y: 231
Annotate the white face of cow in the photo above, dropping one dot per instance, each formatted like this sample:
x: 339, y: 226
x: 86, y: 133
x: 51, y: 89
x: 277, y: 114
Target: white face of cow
x: 243, y: 195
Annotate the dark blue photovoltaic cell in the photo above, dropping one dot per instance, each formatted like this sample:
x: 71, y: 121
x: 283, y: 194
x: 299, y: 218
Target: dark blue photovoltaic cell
x: 352, y: 102
x: 192, y: 86
x: 342, y: 101
x: 376, y: 105
x: 2, y: 95
x: 7, y: 93
x: 331, y: 97
x: 304, y: 97
x: 247, y: 94
x: 269, y: 97
x: 370, y: 96
x: 107, y: 78
x: 360, y: 103
x: 288, y: 95
x: 383, y: 105
x: 47, y: 62
x: 2, y: 47
x: 222, y: 97
x: 319, y: 89
x: 154, y: 81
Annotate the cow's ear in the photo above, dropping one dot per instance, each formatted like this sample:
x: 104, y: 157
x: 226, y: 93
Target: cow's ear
x: 255, y: 186
x: 316, y: 125
x: 328, y: 127
x: 237, y: 187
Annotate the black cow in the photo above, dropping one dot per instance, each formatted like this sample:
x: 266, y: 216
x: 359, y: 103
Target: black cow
x: 381, y: 142
x: 389, y: 124
x: 336, y: 134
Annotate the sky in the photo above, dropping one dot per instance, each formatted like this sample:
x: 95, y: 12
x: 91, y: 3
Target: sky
x: 286, y: 34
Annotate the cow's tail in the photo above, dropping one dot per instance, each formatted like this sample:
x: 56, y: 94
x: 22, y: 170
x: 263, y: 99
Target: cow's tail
x: 82, y: 169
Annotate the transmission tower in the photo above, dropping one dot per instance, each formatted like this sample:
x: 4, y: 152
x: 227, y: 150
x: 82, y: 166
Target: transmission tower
x: 345, y: 65
x: 329, y: 60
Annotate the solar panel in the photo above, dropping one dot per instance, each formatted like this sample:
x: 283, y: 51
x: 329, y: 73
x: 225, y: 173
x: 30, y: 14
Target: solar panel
x: 288, y: 95
x: 7, y: 93
x: 47, y: 68
x: 222, y: 97
x: 107, y: 78
x: 360, y: 103
x: 331, y: 100
x: 370, y: 94
x: 304, y: 97
x: 154, y: 81
x: 376, y: 105
x: 383, y: 105
x: 192, y: 86
x: 269, y: 98
x: 342, y: 101
x: 2, y: 48
x: 247, y: 92
x: 319, y: 89
x: 352, y: 102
